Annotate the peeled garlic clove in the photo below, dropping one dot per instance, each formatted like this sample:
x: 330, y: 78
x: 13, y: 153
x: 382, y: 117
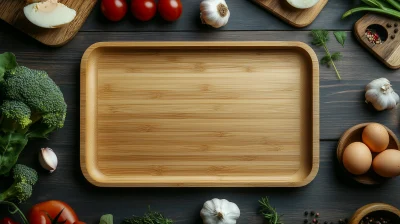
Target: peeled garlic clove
x: 214, y: 13
x: 48, y: 159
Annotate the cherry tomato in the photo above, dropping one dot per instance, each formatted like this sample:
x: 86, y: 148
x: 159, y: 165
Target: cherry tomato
x: 143, y: 10
x: 170, y: 10
x: 114, y: 10
x: 39, y: 213
x: 8, y: 221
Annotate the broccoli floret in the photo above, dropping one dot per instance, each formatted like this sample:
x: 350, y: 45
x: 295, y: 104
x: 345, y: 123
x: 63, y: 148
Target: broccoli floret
x: 39, y: 92
x: 25, y: 174
x: 31, y: 106
x: 21, y: 189
x: 15, y: 115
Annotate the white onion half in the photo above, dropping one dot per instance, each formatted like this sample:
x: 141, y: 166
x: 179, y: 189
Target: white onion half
x: 302, y: 4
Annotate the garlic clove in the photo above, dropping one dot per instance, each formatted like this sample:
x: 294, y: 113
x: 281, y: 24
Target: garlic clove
x: 48, y: 159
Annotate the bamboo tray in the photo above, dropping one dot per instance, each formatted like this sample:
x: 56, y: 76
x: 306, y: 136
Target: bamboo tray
x: 210, y: 114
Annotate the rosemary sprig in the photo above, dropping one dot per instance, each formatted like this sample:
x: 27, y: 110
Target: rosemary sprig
x: 269, y: 212
x: 320, y: 38
x: 149, y: 217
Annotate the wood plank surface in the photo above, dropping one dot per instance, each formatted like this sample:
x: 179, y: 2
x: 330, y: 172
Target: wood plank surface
x: 12, y: 12
x: 342, y: 106
x: 245, y: 15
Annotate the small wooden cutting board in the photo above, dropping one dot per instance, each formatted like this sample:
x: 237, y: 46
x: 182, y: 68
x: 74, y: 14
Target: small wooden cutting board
x: 295, y: 17
x: 12, y: 13
x: 389, y: 51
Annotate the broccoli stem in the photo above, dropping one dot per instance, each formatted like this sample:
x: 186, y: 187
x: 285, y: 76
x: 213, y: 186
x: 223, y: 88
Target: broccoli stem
x: 9, y: 194
x: 11, y: 145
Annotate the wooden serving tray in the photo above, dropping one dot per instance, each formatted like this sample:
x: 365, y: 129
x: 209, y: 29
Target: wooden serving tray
x: 12, y: 12
x: 389, y: 51
x: 199, y: 114
x: 295, y: 17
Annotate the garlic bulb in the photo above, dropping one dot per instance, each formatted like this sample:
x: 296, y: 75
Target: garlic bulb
x: 48, y: 159
x: 214, y: 13
x: 219, y: 211
x: 381, y: 95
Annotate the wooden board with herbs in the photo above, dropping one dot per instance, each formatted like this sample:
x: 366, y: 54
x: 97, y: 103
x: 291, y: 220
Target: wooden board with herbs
x: 12, y: 13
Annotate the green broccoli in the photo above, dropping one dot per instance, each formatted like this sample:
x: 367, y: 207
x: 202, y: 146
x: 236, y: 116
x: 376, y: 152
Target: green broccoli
x: 31, y: 106
x: 21, y: 189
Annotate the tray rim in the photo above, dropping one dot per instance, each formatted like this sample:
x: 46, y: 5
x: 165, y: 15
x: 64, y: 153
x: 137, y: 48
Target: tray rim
x: 84, y: 161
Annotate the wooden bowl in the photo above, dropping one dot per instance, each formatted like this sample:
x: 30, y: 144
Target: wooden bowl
x: 388, y: 210
x: 354, y: 134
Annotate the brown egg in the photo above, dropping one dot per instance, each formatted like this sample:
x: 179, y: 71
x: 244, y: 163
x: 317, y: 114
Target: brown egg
x: 376, y: 137
x: 387, y: 163
x: 357, y: 158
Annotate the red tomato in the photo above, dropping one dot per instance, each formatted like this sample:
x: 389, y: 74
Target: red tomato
x: 38, y: 213
x: 8, y: 221
x: 143, y: 10
x: 170, y: 10
x: 114, y: 10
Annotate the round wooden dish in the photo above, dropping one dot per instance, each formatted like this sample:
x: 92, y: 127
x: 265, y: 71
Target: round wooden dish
x: 385, y: 209
x: 354, y: 134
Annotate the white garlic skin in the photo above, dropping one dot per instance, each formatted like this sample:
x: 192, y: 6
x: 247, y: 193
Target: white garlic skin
x: 381, y: 95
x: 214, y: 13
x: 48, y: 159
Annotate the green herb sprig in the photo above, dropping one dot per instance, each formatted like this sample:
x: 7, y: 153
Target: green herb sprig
x: 13, y: 209
x: 321, y: 38
x: 150, y: 217
x: 269, y: 212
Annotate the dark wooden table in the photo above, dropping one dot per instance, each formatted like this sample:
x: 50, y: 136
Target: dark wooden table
x: 342, y: 106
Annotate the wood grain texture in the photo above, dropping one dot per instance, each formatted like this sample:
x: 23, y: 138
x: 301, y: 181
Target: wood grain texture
x: 12, y: 12
x: 354, y: 134
x: 375, y: 207
x: 389, y: 51
x: 342, y: 105
x: 295, y: 17
x: 200, y: 114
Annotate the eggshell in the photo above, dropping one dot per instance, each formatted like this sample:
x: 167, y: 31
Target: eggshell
x: 387, y: 163
x: 357, y: 158
x: 376, y: 137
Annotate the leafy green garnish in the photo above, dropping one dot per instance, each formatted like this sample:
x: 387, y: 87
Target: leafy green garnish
x: 7, y: 62
x: 340, y: 37
x: 149, y: 217
x: 320, y: 38
x: 106, y: 219
x: 269, y: 212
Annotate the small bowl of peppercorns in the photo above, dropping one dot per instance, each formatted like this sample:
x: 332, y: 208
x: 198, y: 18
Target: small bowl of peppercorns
x: 376, y: 213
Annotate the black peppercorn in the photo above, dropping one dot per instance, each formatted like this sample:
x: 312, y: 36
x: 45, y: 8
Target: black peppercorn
x: 312, y: 213
x: 396, y: 30
x: 388, y: 25
x: 305, y: 221
x: 392, y: 37
x: 395, y: 25
x: 325, y: 222
x: 305, y: 213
